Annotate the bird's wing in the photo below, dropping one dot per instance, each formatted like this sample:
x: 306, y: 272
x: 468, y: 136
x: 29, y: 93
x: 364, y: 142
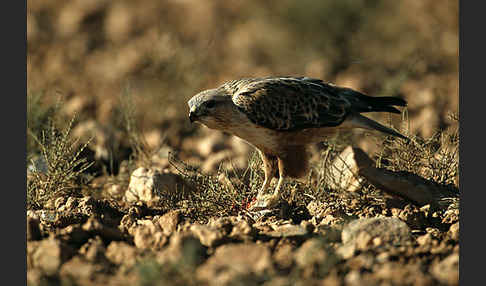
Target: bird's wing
x: 288, y: 104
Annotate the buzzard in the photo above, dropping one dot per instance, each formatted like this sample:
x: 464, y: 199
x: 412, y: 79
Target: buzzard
x: 281, y: 116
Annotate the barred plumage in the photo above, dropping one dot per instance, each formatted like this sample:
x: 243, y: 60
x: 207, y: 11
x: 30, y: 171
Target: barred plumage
x: 280, y: 116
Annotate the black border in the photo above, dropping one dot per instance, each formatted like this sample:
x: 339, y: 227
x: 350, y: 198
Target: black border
x: 20, y: 94
x: 14, y: 98
x: 471, y: 149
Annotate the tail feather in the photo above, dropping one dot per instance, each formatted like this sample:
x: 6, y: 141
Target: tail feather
x: 388, y: 100
x: 365, y: 103
x: 364, y: 122
x: 385, y: 103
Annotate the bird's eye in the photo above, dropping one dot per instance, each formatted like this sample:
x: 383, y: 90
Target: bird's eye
x: 210, y: 104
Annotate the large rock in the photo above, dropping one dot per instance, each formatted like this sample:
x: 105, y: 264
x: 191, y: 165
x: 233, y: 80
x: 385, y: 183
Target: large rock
x: 48, y: 256
x: 447, y: 270
x: 387, y: 229
x: 149, y: 235
x: 184, y: 250
x: 208, y: 235
x: 242, y: 230
x: 169, y: 221
x: 365, y: 233
x: 283, y: 255
x: 291, y: 230
x: 454, y: 231
x: 344, y: 171
x: 314, y: 256
x: 237, y: 264
x: 120, y: 252
x: 80, y: 269
x: 396, y: 273
x: 148, y: 185
x: 93, y: 250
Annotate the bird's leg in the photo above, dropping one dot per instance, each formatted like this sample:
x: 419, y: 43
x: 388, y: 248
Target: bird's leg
x: 269, y: 165
x: 265, y: 185
x: 269, y: 168
x: 272, y: 200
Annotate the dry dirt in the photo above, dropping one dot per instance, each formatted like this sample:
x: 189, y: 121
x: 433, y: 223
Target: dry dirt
x: 89, y: 241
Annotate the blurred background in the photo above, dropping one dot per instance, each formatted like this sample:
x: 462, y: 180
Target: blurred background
x: 92, y: 53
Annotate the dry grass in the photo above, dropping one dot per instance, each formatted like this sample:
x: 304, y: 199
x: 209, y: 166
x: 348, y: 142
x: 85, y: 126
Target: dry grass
x: 211, y: 197
x: 65, y: 167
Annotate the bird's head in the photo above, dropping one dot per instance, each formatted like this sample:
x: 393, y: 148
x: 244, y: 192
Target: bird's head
x: 212, y: 108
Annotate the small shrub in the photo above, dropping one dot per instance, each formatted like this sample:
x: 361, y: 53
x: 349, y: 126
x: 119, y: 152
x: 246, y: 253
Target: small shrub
x: 38, y: 115
x: 64, y: 166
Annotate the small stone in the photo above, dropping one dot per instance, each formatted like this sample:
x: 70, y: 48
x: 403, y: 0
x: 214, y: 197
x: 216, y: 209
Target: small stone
x: 425, y: 240
x: 209, y: 236
x: 362, y: 261
x: 74, y: 234
x: 347, y: 250
x: 353, y: 278
x: 313, y: 254
x: 119, y: 252
x: 142, y: 186
x: 363, y: 240
x: 169, y: 221
x: 47, y: 257
x: 79, y: 269
x: 93, y: 250
x: 48, y: 216
x: 128, y: 223
x: 242, y: 230
x: 332, y: 279
x: 330, y: 234
x: 454, y: 231
x: 434, y: 232
x: 148, y: 185
x: 33, y: 276
x: 225, y: 224
x: 184, y: 249
x: 447, y: 270
x: 383, y: 257
x: 116, y: 191
x: 283, y: 256
x: 377, y: 241
x: 242, y: 264
x: 391, y: 230
x: 95, y: 227
x: 149, y: 236
x: 289, y: 230
x: 315, y: 209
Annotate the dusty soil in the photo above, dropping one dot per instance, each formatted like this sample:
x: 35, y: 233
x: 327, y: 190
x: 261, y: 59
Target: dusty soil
x: 88, y: 241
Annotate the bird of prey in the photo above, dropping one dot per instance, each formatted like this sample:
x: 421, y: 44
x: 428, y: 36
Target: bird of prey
x: 280, y: 116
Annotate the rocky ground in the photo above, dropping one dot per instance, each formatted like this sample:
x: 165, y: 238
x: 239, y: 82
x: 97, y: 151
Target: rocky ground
x: 166, y: 227
x: 91, y: 242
